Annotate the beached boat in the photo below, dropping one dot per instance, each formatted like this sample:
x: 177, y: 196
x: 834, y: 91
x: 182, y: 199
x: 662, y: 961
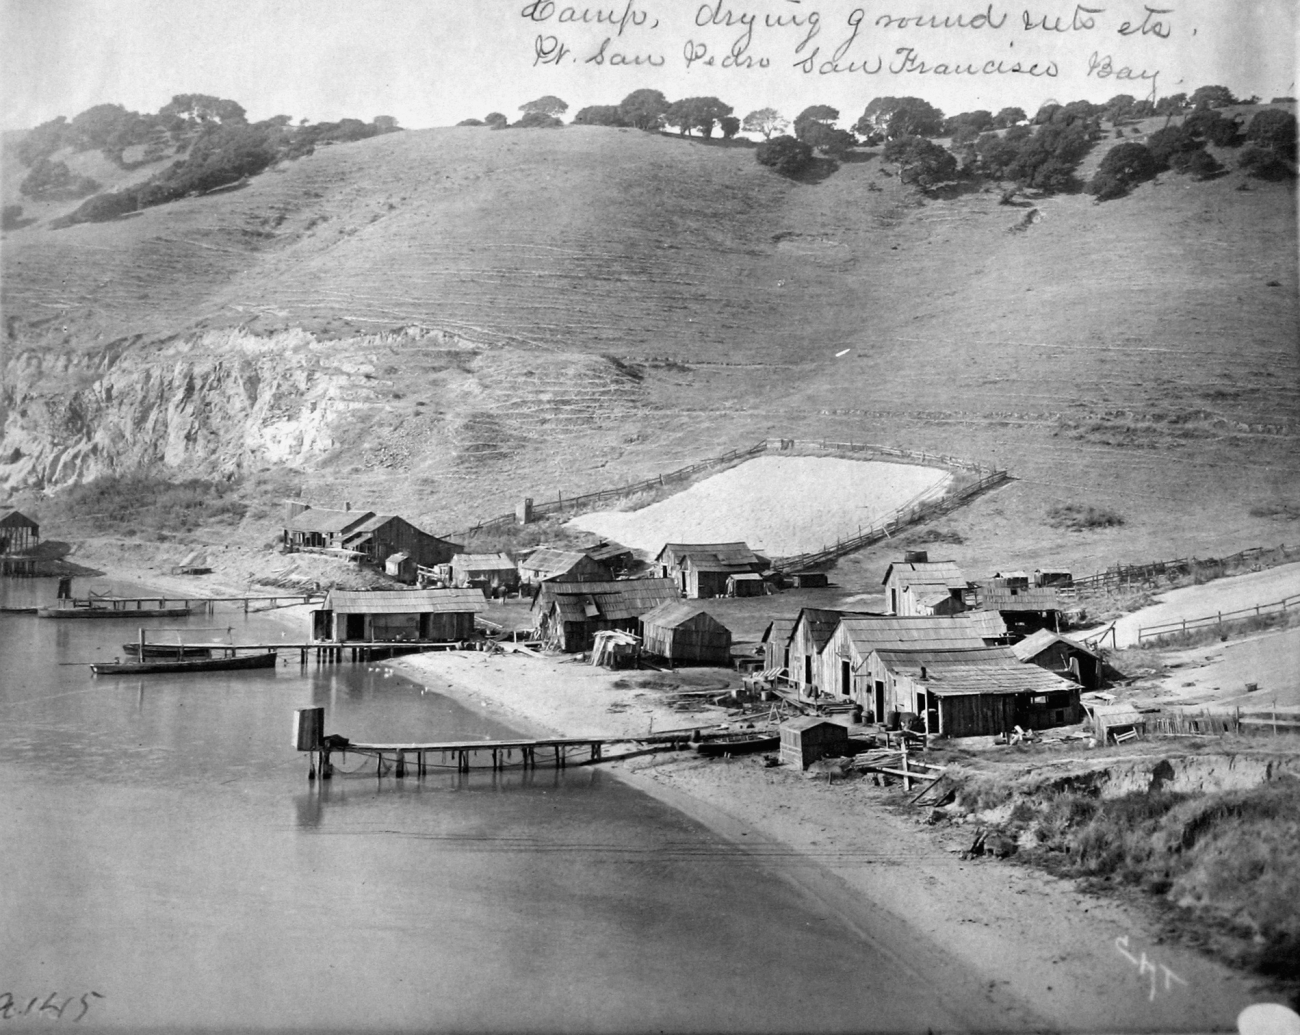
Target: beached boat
x: 231, y: 663
x: 163, y: 650
x: 17, y: 610
x: 112, y: 612
x: 746, y: 743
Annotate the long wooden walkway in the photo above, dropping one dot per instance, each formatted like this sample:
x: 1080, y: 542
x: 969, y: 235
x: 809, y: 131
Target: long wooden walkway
x: 329, y: 651
x: 523, y: 753
x: 207, y: 604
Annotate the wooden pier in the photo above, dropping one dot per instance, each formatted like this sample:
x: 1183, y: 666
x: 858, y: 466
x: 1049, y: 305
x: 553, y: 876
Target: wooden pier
x: 327, y: 651
x: 418, y: 759
x: 197, y: 604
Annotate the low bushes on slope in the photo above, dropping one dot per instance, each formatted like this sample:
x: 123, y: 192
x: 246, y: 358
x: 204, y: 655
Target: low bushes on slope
x: 1230, y: 858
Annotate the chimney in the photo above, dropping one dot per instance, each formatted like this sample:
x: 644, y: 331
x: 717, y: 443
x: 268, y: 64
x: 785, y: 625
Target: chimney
x: 347, y: 506
x: 922, y: 671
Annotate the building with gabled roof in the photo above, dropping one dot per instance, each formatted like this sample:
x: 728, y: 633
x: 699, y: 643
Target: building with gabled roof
x: 918, y: 586
x: 842, y: 662
x: 813, y: 627
x: 1026, y: 608
x: 550, y: 564
x: 969, y: 692
x: 685, y: 634
x: 702, y: 569
x: 776, y: 644
x: 1060, y: 654
x: 398, y: 616
x: 569, y: 614
x: 362, y: 535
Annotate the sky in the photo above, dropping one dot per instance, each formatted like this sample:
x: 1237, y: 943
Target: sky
x: 435, y: 62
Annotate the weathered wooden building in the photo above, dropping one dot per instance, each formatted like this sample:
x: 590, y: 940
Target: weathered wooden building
x: 843, y: 662
x: 971, y: 692
x: 918, y: 586
x: 685, y: 634
x: 776, y: 643
x: 486, y: 571
x: 1025, y: 608
x: 548, y: 564
x: 805, y: 740
x: 569, y: 614
x: 398, y: 616
x: 746, y: 584
x: 1060, y: 654
x: 813, y: 626
x: 363, y: 536
x: 18, y: 533
x: 701, y: 570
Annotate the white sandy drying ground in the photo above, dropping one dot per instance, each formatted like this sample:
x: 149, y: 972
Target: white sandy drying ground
x: 779, y: 505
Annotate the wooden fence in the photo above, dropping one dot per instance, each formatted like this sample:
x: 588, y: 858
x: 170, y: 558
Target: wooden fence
x: 1150, y: 632
x: 1215, y: 723
x: 594, y: 500
x: 925, y: 507
x: 1122, y: 576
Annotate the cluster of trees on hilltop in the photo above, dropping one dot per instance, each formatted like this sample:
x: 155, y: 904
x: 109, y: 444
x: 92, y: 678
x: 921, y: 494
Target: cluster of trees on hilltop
x: 1269, y: 151
x: 642, y: 109
x: 218, y: 145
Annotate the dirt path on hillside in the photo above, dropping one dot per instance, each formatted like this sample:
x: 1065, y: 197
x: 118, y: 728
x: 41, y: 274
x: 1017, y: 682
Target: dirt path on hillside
x: 1221, y: 595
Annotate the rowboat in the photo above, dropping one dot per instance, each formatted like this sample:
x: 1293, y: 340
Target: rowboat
x: 162, y: 650
x: 739, y: 744
x: 112, y: 612
x: 17, y: 610
x: 232, y: 663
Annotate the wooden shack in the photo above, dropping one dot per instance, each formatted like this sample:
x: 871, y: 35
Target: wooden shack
x: 1116, y: 721
x: 746, y: 584
x: 569, y: 614
x: 919, y: 586
x: 363, y: 536
x: 1060, y: 654
x: 812, y: 629
x: 702, y: 569
x: 843, y: 663
x: 685, y: 635
x: 402, y: 567
x: 548, y: 564
x: 398, y: 616
x: 805, y: 740
x: 972, y: 692
x: 18, y: 533
x: 486, y: 571
x: 776, y: 643
x: 1025, y: 608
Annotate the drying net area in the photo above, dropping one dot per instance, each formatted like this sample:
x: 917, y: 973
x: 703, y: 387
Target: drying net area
x: 780, y: 506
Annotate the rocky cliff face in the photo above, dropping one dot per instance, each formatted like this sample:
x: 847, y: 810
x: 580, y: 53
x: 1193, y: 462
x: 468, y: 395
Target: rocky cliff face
x: 212, y: 404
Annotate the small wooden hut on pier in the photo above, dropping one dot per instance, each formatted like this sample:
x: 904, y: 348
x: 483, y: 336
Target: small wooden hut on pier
x: 398, y: 616
x: 685, y: 635
x: 18, y: 533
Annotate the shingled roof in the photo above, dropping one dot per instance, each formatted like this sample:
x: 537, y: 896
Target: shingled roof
x: 404, y: 601
x: 321, y: 519
x: 612, y: 601
x: 981, y: 670
x: 1000, y: 597
x: 931, y: 573
x: 923, y: 632
x: 821, y: 622
x: 1034, y: 645
x: 718, y: 556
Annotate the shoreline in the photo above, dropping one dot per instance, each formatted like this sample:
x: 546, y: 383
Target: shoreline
x: 1012, y: 947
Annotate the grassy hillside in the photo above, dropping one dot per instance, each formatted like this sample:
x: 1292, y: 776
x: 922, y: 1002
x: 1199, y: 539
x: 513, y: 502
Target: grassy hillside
x: 1139, y: 355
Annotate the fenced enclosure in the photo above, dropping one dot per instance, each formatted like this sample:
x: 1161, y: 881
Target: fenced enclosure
x: 1186, y: 625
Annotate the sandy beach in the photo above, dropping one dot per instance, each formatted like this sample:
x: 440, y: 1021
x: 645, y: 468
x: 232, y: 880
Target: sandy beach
x: 1043, y: 952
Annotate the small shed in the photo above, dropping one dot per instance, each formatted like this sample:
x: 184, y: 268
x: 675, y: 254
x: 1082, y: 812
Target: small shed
x: 194, y: 563
x: 685, y: 635
x: 1062, y: 655
x: 398, y: 616
x: 746, y: 584
x: 18, y: 532
x: 401, y: 566
x: 805, y: 740
x: 702, y: 569
x: 614, y: 648
x: 1119, y: 721
x: 809, y: 579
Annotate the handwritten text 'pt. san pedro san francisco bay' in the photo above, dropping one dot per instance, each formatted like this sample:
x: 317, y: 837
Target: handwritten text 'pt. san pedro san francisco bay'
x: 987, y: 40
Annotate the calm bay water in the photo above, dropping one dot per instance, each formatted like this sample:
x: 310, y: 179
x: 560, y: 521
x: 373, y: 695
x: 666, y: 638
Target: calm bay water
x: 163, y: 850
